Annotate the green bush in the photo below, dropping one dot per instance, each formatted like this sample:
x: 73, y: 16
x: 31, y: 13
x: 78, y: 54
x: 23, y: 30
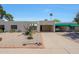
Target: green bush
x: 29, y: 33
x: 76, y: 30
x: 12, y: 30
x: 30, y: 37
x: 26, y: 33
x: 1, y: 31
x: 19, y: 31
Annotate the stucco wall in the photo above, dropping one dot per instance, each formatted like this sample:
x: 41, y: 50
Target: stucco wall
x: 22, y: 24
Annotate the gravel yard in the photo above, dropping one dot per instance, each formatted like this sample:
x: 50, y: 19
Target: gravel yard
x: 54, y: 43
x: 16, y: 40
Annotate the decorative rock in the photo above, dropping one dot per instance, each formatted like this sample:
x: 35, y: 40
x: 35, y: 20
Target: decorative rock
x: 24, y: 44
x: 38, y: 44
x: 0, y: 39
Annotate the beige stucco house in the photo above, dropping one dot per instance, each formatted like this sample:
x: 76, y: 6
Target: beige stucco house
x: 40, y: 26
x: 23, y: 25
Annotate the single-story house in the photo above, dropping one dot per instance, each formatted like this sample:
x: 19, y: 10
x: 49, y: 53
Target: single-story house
x: 39, y: 26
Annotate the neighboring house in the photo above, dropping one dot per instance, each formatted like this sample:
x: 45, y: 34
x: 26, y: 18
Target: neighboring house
x: 40, y: 26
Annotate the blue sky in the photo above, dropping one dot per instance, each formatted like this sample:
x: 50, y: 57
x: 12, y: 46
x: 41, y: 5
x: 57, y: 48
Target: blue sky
x: 36, y: 12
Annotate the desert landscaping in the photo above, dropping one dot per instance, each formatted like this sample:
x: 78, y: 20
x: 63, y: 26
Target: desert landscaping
x: 35, y: 30
x: 53, y: 43
x: 19, y: 40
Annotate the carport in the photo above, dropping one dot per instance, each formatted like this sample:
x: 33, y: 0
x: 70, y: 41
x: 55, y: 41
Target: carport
x: 62, y: 27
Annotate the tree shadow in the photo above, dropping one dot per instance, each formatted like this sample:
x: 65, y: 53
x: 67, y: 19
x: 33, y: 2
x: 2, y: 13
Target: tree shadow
x: 72, y: 35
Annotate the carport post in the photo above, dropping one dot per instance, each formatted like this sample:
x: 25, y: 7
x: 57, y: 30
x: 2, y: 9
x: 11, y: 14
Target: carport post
x: 53, y: 27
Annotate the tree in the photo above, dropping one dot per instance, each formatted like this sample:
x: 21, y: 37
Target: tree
x: 56, y: 20
x: 9, y: 17
x: 50, y: 16
x: 76, y: 19
x: 1, y: 6
x: 45, y: 19
x: 4, y: 14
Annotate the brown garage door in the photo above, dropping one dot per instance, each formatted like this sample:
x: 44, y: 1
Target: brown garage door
x: 46, y: 28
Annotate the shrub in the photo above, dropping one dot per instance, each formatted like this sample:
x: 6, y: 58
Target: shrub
x: 76, y: 30
x: 30, y: 37
x: 29, y: 33
x: 19, y: 31
x: 12, y: 30
x: 26, y: 33
x: 1, y: 31
x: 24, y: 44
x: 5, y: 31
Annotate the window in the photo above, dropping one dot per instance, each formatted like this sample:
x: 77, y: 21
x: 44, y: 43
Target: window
x: 13, y: 26
x: 33, y: 26
x: 2, y: 28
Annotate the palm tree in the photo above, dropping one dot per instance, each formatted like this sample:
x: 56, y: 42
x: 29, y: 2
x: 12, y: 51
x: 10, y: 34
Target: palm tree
x: 50, y: 16
x: 1, y: 6
x: 76, y: 19
x: 9, y: 17
x: 2, y: 13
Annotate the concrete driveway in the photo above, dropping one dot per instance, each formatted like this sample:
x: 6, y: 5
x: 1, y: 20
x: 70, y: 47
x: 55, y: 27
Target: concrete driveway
x: 54, y: 44
x: 54, y: 41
